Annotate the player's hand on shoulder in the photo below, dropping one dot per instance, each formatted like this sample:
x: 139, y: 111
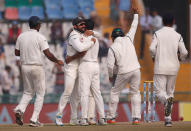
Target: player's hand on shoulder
x: 88, y: 33
x: 93, y: 39
x: 60, y: 62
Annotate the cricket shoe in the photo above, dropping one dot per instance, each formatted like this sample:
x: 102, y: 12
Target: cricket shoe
x: 84, y: 122
x: 74, y: 122
x: 19, y: 117
x: 91, y: 121
x: 135, y: 121
x: 35, y: 124
x: 58, y: 121
x: 102, y: 122
x: 111, y: 121
x: 168, y: 123
x: 168, y: 106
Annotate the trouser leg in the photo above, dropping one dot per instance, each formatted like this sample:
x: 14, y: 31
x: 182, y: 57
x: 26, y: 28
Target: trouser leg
x: 39, y: 87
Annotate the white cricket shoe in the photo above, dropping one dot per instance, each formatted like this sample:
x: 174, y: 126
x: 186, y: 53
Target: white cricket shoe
x: 102, y: 121
x: 91, y: 121
x: 58, y: 121
x: 74, y: 122
x: 36, y: 124
x: 84, y: 122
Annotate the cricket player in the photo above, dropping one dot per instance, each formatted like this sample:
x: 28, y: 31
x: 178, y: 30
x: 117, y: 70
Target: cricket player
x: 75, y: 98
x: 29, y: 47
x: 89, y: 81
x: 166, y: 48
x: 122, y: 55
x: 77, y: 43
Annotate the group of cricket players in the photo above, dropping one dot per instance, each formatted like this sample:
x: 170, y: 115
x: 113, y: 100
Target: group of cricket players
x: 82, y: 74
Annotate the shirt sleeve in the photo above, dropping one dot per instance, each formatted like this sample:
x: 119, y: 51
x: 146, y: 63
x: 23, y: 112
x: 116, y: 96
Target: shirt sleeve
x: 110, y: 62
x: 132, y: 31
x: 43, y: 43
x: 78, y: 45
x: 96, y: 34
x: 18, y: 44
x: 153, y: 46
x: 182, y: 49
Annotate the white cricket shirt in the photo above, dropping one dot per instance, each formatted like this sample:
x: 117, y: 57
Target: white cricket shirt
x: 31, y: 44
x: 122, y: 52
x: 164, y: 48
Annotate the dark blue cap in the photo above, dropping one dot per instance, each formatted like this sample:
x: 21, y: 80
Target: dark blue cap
x: 34, y: 21
x: 117, y: 32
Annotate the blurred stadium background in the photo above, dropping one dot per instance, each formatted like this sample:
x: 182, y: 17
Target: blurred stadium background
x: 56, y: 16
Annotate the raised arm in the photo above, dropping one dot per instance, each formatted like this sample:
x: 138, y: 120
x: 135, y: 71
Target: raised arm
x: 134, y: 25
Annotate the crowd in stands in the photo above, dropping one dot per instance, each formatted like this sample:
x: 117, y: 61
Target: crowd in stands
x: 45, y: 9
x: 56, y: 31
x: 54, y: 27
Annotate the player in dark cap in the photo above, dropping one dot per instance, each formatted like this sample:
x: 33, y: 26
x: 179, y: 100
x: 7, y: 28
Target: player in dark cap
x: 29, y: 47
x: 122, y: 55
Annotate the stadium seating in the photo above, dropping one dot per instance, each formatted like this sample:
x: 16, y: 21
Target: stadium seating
x: 37, y: 11
x: 24, y: 12
x: 23, y: 3
x: 68, y: 3
x: 11, y: 13
x: 86, y: 7
x: 37, y: 3
x: 54, y: 13
x: 10, y: 3
x: 70, y: 14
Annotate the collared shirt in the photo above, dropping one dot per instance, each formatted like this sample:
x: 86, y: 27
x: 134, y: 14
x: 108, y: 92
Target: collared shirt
x: 31, y: 44
x: 164, y: 48
x: 77, y: 43
x: 122, y: 52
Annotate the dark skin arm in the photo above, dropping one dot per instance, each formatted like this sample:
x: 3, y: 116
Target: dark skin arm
x: 52, y: 58
x: 17, y: 52
x: 76, y: 56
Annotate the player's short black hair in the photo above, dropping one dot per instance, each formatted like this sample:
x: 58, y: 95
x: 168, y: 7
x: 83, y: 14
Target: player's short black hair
x: 117, y: 32
x: 34, y: 21
x: 168, y: 19
x: 89, y: 24
x: 77, y: 20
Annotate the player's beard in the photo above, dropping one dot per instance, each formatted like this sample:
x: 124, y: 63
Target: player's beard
x: 79, y: 30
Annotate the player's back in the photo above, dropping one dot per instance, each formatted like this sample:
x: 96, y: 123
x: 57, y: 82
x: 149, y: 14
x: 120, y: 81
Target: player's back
x: 31, y: 44
x: 167, y: 49
x: 125, y: 54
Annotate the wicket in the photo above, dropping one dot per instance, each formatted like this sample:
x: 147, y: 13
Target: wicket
x: 151, y: 97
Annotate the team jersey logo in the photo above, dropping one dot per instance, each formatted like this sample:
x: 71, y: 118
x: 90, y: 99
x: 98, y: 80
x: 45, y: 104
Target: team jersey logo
x: 81, y: 39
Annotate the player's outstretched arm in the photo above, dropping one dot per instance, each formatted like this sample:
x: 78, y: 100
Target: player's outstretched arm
x: 52, y: 58
x: 134, y: 24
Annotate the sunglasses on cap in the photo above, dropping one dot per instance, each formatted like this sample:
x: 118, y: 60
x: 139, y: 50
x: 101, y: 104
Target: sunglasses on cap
x: 81, y: 24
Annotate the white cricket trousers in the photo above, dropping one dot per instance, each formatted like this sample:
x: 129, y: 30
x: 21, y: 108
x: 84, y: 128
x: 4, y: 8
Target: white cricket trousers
x: 89, y: 78
x: 34, y: 83
x: 75, y: 101
x: 164, y: 87
x: 133, y: 79
x: 70, y: 79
